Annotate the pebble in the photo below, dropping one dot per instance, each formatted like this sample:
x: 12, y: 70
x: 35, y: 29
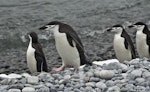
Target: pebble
x: 44, y: 89
x: 101, y: 85
x: 136, y: 73
x: 33, y: 80
x: 91, y: 84
x: 140, y: 80
x: 14, y: 90
x: 28, y: 89
x: 113, y: 89
x: 106, y: 74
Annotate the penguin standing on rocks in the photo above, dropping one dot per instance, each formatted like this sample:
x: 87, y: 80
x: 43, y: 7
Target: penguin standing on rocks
x: 142, y: 39
x: 123, y: 46
x: 35, y: 57
x: 68, y: 45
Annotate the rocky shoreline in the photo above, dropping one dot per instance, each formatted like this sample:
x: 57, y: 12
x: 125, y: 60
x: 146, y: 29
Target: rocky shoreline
x: 130, y: 76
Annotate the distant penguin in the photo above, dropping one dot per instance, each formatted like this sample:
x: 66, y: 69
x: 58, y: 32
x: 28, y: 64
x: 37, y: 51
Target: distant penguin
x: 123, y: 46
x: 68, y: 45
x: 142, y: 39
x: 35, y: 57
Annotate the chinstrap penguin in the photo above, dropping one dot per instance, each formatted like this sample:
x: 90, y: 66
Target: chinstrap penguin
x: 123, y: 46
x: 68, y: 45
x: 142, y: 39
x: 35, y: 57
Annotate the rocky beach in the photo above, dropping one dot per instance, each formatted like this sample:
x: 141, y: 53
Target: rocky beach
x: 89, y: 18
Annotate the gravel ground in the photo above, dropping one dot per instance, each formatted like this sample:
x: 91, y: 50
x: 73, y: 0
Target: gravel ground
x: 133, y: 76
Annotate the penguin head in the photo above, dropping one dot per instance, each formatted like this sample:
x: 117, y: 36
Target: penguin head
x: 51, y: 26
x: 138, y: 26
x: 116, y: 29
x: 33, y: 36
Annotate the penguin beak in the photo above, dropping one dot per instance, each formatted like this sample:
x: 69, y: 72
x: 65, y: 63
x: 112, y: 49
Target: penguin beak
x: 131, y: 26
x: 43, y: 28
x: 109, y: 30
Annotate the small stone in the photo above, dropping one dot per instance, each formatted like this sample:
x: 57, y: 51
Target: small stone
x: 44, y: 89
x: 23, y: 80
x: 91, y: 84
x: 14, y: 90
x: 101, y: 85
x: 146, y: 74
x: 110, y: 83
x: 113, y: 89
x: 136, y: 73
x: 89, y: 74
x: 28, y: 89
x: 93, y: 79
x: 140, y: 80
x: 96, y: 73
x: 49, y: 84
x: 67, y: 77
x: 13, y: 75
x: 33, y: 80
x: 124, y: 67
x: 107, y: 74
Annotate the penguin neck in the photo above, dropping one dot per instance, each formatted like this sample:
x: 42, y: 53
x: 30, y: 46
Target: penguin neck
x: 141, y: 29
x: 30, y: 43
x: 56, y: 31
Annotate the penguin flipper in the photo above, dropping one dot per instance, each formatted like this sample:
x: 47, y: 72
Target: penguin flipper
x: 39, y: 62
x: 129, y: 44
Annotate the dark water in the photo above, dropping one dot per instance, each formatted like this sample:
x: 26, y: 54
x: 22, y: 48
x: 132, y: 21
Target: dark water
x: 88, y: 17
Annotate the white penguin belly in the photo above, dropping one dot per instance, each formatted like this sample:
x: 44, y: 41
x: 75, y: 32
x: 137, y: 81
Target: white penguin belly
x: 142, y: 47
x: 31, y: 61
x: 121, y: 52
x: 69, y: 54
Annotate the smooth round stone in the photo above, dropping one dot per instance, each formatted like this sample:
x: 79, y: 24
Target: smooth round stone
x: 101, y: 85
x: 33, y: 80
x: 109, y: 83
x: 28, y: 89
x: 91, y: 84
x: 136, y: 73
x: 106, y: 74
x: 93, y: 79
x: 67, y: 77
x: 89, y: 74
x: 14, y: 90
x: 44, y: 89
x: 114, y: 89
x: 140, y: 80
x: 124, y: 67
x: 146, y: 74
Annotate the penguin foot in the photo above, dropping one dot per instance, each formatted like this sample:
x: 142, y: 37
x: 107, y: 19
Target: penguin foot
x: 58, y: 69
